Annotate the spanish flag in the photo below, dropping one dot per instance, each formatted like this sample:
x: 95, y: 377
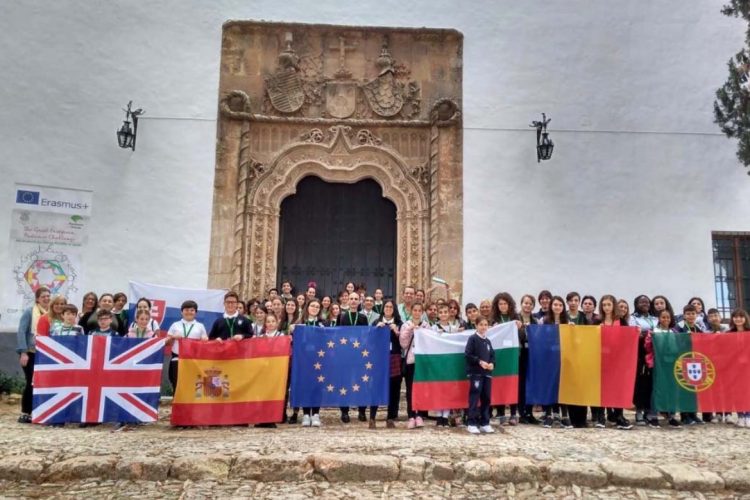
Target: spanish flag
x: 701, y: 372
x: 582, y: 365
x: 231, y: 382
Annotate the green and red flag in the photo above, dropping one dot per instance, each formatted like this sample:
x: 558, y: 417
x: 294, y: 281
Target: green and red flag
x: 440, y: 380
x: 701, y: 372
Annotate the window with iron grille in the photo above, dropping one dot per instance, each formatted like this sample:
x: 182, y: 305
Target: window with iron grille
x: 731, y: 271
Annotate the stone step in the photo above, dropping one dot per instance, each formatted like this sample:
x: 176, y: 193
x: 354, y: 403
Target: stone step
x: 357, y: 468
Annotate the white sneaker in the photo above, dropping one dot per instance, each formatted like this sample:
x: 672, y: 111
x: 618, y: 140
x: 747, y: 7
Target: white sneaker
x: 472, y: 429
x: 316, y: 420
x: 487, y: 429
x: 305, y: 420
x: 741, y: 422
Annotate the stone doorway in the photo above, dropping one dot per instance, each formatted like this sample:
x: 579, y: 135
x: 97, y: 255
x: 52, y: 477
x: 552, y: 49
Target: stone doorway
x: 343, y: 104
x: 332, y: 233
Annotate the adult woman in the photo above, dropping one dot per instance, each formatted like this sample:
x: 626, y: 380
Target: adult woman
x: 26, y: 347
x: 485, y: 309
x: 53, y: 318
x: 106, y: 302
x: 88, y: 307
x: 290, y: 318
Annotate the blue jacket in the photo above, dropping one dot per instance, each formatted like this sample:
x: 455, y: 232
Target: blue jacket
x: 25, y: 340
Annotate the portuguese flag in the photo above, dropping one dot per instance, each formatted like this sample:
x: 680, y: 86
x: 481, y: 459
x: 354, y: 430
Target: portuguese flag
x: 701, y: 372
x: 231, y: 382
x: 440, y: 380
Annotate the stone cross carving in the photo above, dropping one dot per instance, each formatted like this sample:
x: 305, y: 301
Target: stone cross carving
x: 342, y: 47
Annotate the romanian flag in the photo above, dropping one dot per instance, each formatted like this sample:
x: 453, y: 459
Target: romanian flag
x: 231, y: 382
x: 440, y: 380
x: 701, y: 372
x: 582, y: 365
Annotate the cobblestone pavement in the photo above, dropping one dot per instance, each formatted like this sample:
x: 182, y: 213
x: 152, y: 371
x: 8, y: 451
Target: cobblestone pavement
x: 338, y: 460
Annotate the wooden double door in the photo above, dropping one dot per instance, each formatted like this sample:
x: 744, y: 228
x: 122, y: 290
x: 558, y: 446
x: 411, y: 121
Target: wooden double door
x: 334, y: 233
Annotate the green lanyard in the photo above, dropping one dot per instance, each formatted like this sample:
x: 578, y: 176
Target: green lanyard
x: 230, y: 325
x: 140, y: 334
x: 310, y: 322
x: 352, y: 322
x: 186, y: 332
x: 503, y: 319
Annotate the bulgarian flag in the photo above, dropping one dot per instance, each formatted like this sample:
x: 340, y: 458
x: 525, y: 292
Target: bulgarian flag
x: 231, y: 382
x: 582, y: 365
x: 701, y: 372
x: 440, y: 380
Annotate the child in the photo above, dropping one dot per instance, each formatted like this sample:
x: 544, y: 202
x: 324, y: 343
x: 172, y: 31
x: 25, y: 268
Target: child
x: 406, y: 339
x: 325, y: 308
x: 740, y: 323
x: 334, y: 315
x: 575, y: 316
x: 444, y: 326
x: 68, y: 325
x: 378, y: 306
x: 232, y: 325
x: 472, y: 314
x: 556, y: 315
x: 689, y: 325
x: 544, y: 298
x: 666, y: 325
x: 432, y: 313
x: 144, y: 304
x: 259, y: 319
x: 526, y: 317
x: 351, y: 317
x: 104, y: 324
x: 645, y: 322
x: 480, y: 361
x: 714, y: 322
x: 186, y: 328
x: 141, y: 329
x: 310, y: 415
x: 119, y: 312
x: 271, y: 327
x: 504, y: 311
x: 390, y: 319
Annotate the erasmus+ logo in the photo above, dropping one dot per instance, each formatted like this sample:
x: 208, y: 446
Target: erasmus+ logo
x: 26, y: 197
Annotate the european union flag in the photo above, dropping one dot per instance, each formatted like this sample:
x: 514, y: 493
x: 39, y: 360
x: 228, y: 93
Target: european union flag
x: 341, y: 366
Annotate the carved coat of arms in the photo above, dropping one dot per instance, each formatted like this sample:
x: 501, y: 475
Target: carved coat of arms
x: 285, y: 90
x: 385, y: 94
x: 341, y: 98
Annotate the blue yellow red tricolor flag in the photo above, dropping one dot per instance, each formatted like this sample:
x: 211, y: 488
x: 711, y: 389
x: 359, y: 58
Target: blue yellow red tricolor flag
x: 231, y: 382
x: 582, y: 365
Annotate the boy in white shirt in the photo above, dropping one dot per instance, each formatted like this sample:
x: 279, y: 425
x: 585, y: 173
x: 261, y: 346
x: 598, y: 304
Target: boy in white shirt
x: 186, y: 328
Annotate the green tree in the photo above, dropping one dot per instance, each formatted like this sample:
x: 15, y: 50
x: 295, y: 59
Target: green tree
x: 731, y: 110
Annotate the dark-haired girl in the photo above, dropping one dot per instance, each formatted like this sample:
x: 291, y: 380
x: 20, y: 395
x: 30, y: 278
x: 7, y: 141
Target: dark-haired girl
x: 556, y: 315
x: 526, y: 317
x: 609, y: 316
x: 504, y: 311
x: 391, y: 319
x: 646, y: 323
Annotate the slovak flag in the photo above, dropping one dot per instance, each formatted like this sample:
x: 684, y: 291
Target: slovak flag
x: 166, y: 302
x: 91, y: 378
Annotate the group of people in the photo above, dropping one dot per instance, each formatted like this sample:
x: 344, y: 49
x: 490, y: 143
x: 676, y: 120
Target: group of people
x: 282, y: 310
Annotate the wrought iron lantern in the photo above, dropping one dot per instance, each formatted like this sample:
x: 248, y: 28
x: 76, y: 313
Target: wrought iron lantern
x: 126, y: 135
x: 544, y: 144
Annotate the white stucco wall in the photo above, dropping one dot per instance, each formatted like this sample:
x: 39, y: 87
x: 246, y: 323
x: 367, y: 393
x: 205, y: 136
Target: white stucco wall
x: 639, y: 178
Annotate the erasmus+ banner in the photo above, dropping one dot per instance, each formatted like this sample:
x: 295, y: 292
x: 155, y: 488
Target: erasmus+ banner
x: 48, y: 230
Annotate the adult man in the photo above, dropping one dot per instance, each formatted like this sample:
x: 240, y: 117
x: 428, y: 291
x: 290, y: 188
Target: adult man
x: 404, y: 309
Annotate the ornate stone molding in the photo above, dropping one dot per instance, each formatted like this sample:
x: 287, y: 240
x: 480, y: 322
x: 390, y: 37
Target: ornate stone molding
x: 342, y: 155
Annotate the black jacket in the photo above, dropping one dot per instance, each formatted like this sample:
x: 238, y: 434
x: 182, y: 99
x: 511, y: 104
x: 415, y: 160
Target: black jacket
x: 345, y: 319
x: 478, y: 349
x: 225, y: 329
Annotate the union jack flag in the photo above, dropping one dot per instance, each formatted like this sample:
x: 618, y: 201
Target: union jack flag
x: 97, y: 379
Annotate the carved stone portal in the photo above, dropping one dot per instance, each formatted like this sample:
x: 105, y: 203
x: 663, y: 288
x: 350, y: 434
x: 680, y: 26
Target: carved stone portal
x: 343, y: 104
